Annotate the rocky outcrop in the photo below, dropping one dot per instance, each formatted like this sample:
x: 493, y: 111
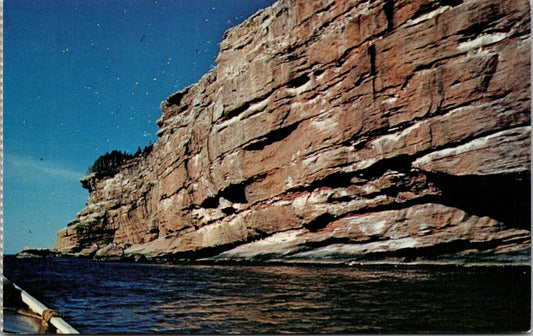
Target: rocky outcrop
x: 335, y: 130
x: 29, y: 252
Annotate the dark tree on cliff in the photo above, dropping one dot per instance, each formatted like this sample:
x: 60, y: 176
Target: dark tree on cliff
x: 148, y: 149
x: 108, y: 164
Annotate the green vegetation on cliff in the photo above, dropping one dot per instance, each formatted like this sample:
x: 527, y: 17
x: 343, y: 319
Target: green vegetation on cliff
x: 109, y: 164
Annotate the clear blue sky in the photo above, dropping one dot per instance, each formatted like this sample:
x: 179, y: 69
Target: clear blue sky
x: 85, y: 77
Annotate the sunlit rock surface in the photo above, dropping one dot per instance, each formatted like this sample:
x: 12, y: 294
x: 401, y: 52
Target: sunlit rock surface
x: 335, y: 130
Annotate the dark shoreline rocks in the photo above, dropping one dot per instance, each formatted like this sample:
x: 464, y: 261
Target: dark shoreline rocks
x: 29, y: 252
x: 469, y: 258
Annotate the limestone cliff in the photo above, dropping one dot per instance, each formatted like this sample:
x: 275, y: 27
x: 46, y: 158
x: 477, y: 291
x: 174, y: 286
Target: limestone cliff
x: 335, y: 130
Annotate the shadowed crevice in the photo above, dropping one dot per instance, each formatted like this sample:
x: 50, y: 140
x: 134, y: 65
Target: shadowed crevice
x: 506, y: 197
x: 320, y: 222
x: 270, y: 138
x: 235, y: 193
x: 388, y: 8
x: 176, y: 98
x: 298, y: 81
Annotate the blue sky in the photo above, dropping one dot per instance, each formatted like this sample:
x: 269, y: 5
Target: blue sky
x: 85, y: 77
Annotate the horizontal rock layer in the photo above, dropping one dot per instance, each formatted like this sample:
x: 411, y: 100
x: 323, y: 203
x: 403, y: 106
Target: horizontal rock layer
x: 335, y: 130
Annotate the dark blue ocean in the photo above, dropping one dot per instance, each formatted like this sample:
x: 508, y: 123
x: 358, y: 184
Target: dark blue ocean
x: 124, y: 298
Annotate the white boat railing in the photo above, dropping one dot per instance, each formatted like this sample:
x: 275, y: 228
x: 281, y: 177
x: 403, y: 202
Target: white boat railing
x: 61, y: 325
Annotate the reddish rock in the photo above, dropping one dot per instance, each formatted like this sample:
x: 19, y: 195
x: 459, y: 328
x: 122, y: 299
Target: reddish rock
x: 504, y: 152
x: 335, y: 129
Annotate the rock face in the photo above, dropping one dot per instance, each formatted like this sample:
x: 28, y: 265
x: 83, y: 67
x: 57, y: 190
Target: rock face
x: 335, y: 130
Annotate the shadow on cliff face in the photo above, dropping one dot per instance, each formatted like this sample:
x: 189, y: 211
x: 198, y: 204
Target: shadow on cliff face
x: 506, y: 198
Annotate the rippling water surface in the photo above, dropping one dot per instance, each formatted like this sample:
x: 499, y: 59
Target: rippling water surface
x: 107, y: 297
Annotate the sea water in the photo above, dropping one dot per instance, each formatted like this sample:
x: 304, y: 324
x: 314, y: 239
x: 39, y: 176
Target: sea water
x: 113, y: 297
